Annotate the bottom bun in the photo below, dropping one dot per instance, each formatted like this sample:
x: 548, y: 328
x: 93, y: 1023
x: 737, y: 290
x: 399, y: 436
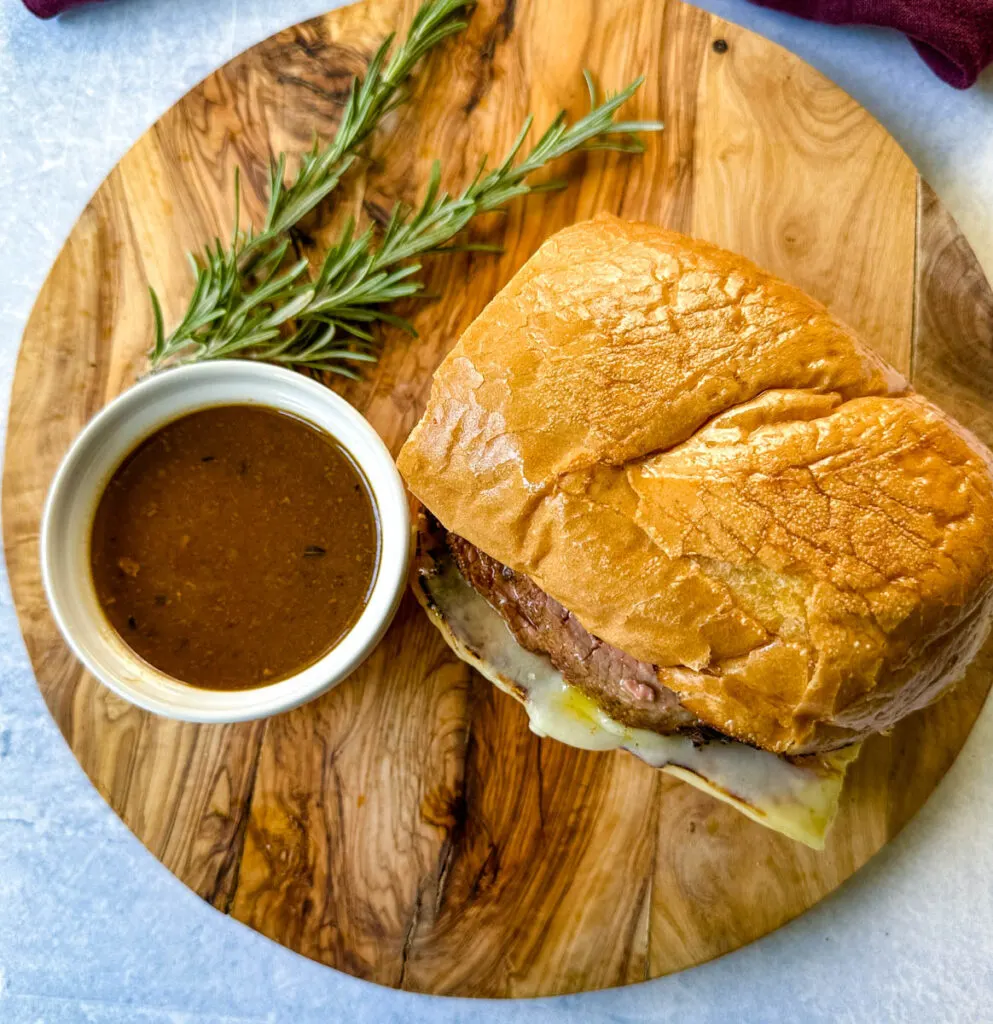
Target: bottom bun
x: 795, y: 796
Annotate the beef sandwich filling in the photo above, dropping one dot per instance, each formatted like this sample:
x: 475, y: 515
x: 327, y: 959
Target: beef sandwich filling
x: 627, y: 689
x: 487, y: 611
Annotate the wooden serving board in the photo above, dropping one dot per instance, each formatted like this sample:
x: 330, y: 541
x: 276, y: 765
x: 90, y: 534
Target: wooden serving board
x: 407, y: 827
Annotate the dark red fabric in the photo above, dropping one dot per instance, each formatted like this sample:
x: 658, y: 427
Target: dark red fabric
x: 955, y: 37
x: 49, y: 8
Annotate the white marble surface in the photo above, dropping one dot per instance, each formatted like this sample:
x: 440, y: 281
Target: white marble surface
x: 93, y: 929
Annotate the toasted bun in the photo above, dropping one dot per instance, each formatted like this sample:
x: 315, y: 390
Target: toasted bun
x: 715, y: 475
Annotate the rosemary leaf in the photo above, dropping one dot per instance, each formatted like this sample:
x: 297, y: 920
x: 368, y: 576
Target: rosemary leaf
x: 377, y: 271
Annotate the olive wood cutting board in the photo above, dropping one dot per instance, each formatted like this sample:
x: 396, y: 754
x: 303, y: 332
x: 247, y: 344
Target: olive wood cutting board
x: 407, y: 827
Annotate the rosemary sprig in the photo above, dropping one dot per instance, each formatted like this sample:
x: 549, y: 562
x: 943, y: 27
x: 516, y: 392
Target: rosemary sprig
x: 261, y: 308
x: 220, y: 302
x: 360, y: 274
x: 368, y: 103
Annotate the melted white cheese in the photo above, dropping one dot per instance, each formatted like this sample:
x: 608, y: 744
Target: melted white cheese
x: 799, y: 801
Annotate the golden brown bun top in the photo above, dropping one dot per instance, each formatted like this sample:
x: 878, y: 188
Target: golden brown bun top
x: 716, y: 476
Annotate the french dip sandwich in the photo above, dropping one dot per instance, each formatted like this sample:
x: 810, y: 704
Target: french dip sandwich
x: 673, y: 506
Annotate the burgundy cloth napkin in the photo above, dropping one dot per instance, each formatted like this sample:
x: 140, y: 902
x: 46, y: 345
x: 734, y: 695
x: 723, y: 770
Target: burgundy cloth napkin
x: 955, y: 37
x: 49, y: 8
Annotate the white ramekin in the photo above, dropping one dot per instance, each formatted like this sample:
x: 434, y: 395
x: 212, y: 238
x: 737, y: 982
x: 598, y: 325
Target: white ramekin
x: 87, y: 468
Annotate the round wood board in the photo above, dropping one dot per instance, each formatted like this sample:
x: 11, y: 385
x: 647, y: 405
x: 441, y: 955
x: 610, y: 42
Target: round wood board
x: 407, y: 827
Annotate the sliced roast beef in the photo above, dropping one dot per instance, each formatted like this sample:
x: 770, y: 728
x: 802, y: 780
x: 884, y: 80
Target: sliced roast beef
x: 626, y: 689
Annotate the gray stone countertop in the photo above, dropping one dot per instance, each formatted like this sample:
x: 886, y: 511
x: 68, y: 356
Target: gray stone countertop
x: 93, y: 929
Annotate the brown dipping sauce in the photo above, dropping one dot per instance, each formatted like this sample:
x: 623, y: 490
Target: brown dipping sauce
x: 234, y: 547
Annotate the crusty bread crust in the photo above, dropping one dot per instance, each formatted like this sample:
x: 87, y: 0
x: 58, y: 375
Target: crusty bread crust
x: 716, y: 476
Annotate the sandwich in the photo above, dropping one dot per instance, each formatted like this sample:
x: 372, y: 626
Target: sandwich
x: 673, y: 506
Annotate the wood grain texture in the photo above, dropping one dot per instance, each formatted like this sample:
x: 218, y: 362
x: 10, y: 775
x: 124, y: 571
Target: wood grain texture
x: 407, y: 827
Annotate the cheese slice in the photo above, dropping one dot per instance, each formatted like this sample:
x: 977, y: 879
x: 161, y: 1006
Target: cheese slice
x: 796, y: 797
